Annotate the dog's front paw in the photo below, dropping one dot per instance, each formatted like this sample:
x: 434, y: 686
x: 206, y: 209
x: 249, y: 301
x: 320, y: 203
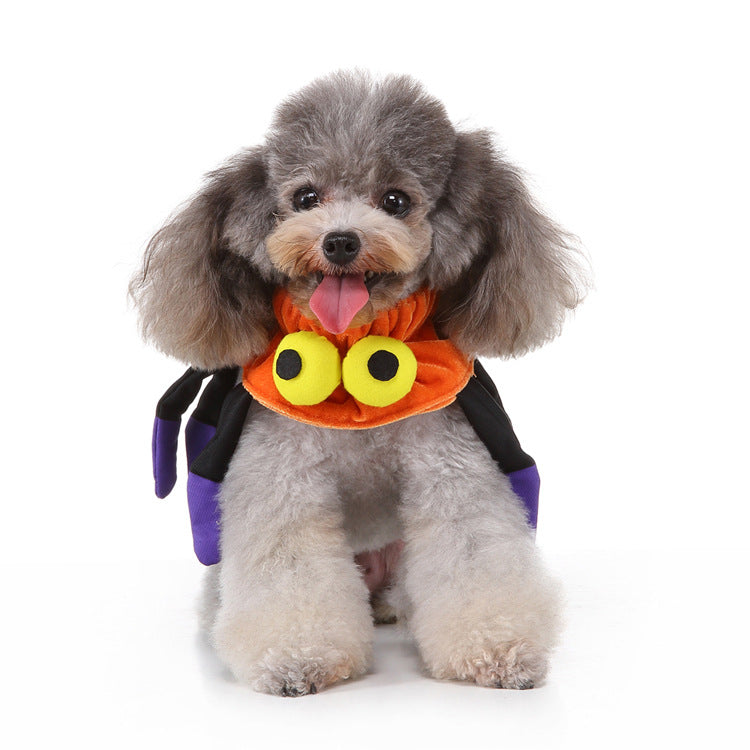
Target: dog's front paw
x: 304, y: 671
x: 518, y: 665
x: 503, y: 641
x: 293, y: 660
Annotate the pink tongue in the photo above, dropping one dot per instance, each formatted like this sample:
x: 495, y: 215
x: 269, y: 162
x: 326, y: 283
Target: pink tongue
x: 338, y: 299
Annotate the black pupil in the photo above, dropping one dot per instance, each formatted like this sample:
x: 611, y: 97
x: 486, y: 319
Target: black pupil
x: 383, y: 365
x: 288, y: 364
x: 305, y: 199
x: 396, y: 202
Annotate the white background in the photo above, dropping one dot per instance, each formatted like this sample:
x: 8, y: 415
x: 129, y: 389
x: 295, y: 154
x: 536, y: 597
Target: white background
x: 631, y: 120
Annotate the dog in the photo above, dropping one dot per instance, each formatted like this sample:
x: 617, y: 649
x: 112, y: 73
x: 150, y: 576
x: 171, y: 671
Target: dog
x: 362, y: 194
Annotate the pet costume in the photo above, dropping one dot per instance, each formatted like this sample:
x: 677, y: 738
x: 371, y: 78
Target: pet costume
x: 389, y: 369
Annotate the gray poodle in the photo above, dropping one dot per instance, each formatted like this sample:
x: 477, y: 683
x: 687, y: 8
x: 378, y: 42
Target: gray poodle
x: 365, y: 193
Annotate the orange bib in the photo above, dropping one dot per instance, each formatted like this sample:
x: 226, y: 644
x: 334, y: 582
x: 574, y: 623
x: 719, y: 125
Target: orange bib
x: 389, y: 369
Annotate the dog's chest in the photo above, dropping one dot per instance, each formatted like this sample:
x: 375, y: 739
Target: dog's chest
x: 363, y: 466
x: 368, y: 484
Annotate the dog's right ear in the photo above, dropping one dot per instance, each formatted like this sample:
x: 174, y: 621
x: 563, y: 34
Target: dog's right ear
x: 200, y: 293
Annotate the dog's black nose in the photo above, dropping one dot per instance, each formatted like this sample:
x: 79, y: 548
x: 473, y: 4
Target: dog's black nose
x: 341, y: 247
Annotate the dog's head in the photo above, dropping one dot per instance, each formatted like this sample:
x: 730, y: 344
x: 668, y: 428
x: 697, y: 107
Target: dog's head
x: 362, y: 193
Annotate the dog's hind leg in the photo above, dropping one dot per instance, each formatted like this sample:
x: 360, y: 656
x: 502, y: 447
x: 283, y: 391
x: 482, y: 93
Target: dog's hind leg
x: 294, y: 614
x: 479, y: 602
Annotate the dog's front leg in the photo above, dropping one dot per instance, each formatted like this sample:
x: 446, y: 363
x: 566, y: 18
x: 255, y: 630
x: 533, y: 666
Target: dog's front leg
x: 479, y: 602
x: 294, y: 614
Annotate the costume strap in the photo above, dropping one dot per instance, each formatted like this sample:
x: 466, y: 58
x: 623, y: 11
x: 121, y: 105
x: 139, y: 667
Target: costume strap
x: 207, y: 473
x: 483, y: 408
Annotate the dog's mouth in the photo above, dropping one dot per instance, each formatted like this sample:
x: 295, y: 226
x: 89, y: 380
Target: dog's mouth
x: 337, y: 299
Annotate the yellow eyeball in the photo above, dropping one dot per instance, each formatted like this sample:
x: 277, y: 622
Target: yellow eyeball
x: 378, y: 371
x: 306, y: 368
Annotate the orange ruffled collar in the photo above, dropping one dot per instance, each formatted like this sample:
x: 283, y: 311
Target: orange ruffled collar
x: 441, y: 369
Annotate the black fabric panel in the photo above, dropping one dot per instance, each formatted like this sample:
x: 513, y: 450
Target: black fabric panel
x: 175, y: 401
x: 212, y: 463
x: 492, y: 425
x: 212, y: 398
x: 486, y: 381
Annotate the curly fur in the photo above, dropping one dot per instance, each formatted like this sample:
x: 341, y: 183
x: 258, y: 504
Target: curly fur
x: 200, y: 296
x: 523, y: 271
x: 288, y: 609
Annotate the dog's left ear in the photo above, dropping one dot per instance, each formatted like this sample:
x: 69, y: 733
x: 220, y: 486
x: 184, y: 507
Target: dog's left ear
x: 508, y: 274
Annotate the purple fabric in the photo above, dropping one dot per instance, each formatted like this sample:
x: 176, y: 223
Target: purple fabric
x: 525, y: 483
x: 164, y: 455
x: 197, y: 436
x: 203, y: 503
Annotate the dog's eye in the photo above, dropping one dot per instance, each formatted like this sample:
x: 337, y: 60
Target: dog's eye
x: 305, y: 199
x: 396, y: 203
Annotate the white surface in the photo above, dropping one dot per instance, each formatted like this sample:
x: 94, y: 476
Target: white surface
x: 655, y: 654
x: 632, y: 121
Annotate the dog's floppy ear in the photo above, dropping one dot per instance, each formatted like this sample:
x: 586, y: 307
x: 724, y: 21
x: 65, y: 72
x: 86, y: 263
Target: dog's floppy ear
x: 514, y: 272
x: 200, y: 293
